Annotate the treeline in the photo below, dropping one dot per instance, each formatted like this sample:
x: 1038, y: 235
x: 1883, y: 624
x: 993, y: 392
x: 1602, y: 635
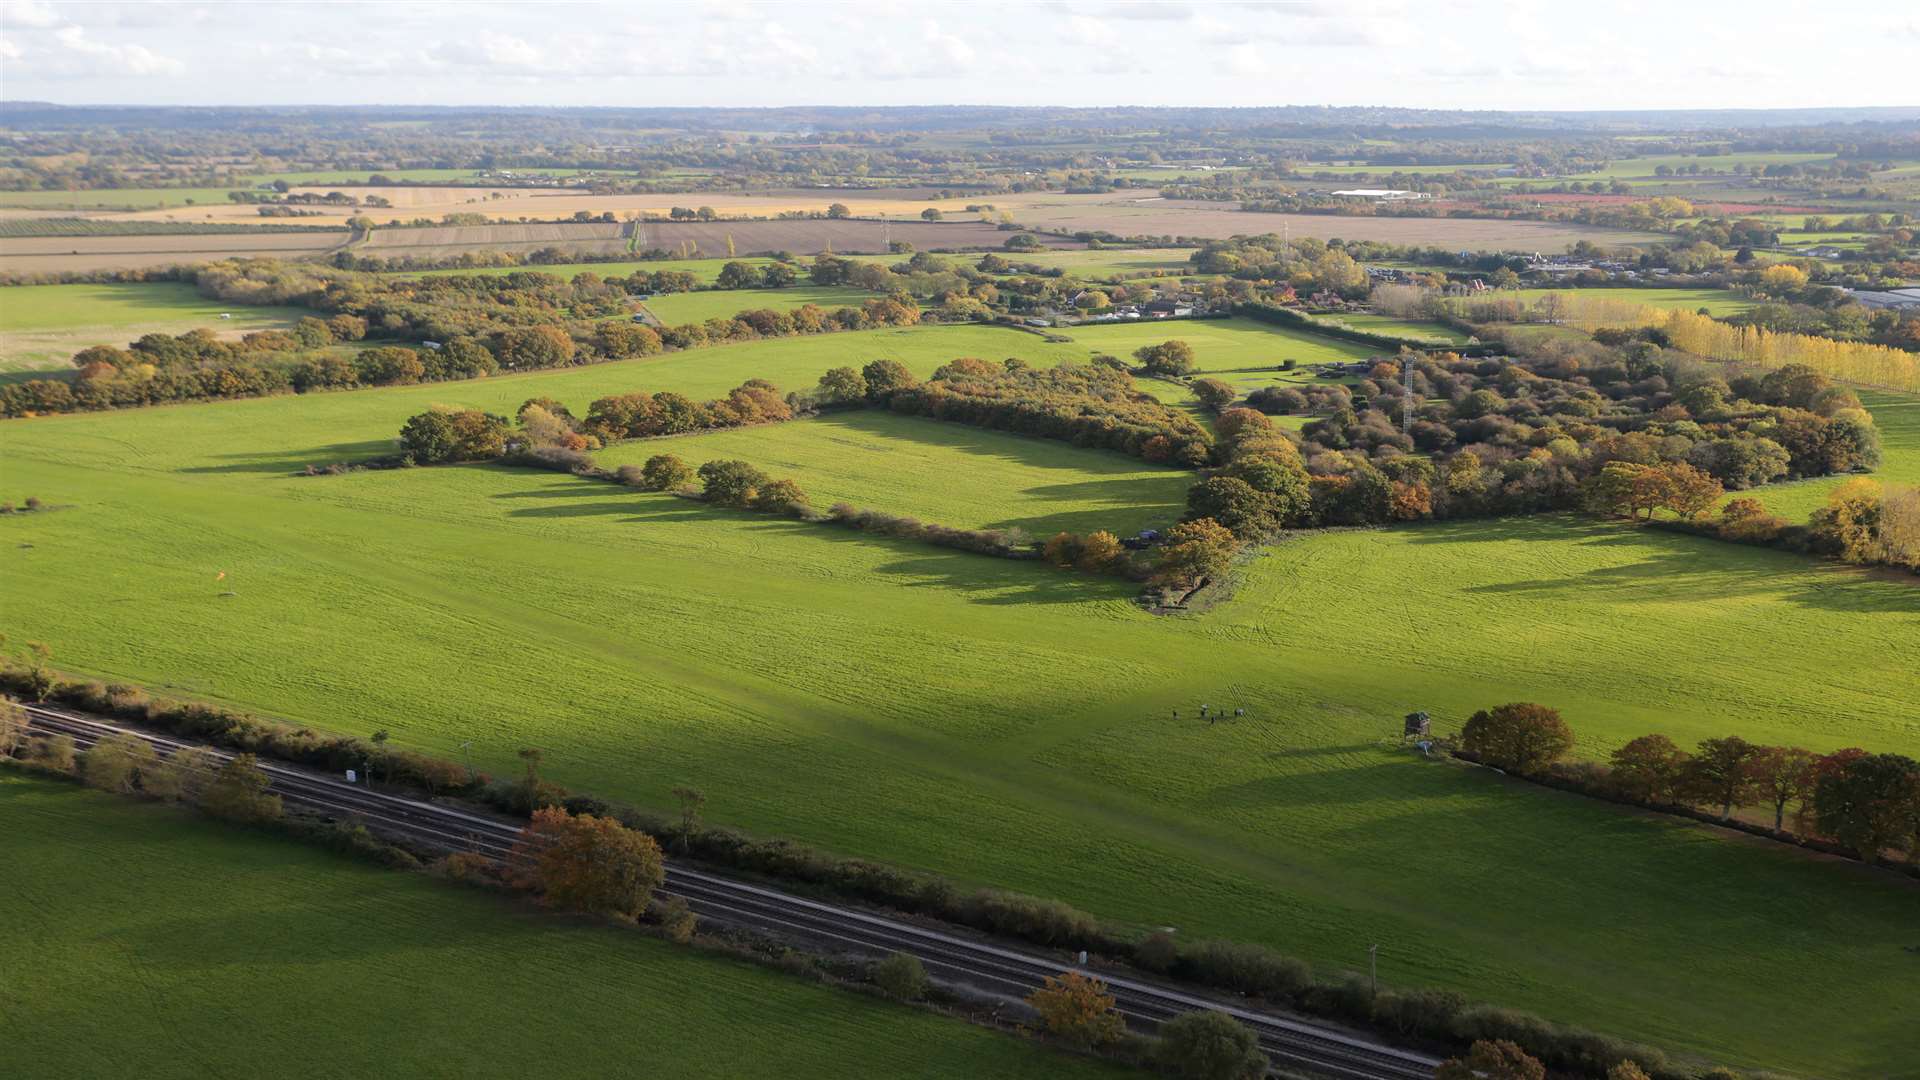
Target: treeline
x: 1850, y: 800
x: 468, y: 327
x: 439, y: 436
x: 1703, y: 335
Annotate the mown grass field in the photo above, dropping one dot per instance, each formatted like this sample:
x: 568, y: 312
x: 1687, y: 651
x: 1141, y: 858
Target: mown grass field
x: 1010, y: 724
x: 1716, y: 301
x: 951, y: 474
x: 42, y: 326
x: 1412, y: 328
x: 676, y: 308
x: 1218, y: 344
x: 148, y: 937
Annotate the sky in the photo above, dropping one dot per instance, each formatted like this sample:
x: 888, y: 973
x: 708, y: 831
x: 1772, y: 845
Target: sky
x: 1464, y: 54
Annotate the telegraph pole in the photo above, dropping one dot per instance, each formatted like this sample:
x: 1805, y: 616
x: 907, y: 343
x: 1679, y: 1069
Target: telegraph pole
x: 1406, y: 393
x: 1373, y: 968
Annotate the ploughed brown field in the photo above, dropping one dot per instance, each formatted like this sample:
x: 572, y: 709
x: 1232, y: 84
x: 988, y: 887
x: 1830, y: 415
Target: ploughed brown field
x: 508, y: 204
x: 52, y: 254
x: 1134, y: 214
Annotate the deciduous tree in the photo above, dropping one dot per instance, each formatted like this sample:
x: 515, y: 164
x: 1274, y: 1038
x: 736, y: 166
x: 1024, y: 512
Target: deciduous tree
x: 1195, y: 550
x: 1649, y: 768
x: 117, y: 762
x: 1492, y: 1059
x: 238, y: 792
x: 13, y: 726
x: 731, y: 482
x: 1210, y: 1045
x: 1720, y: 773
x: 1522, y: 736
x: 588, y: 863
x: 1871, y: 803
x: 1782, y: 774
x: 1077, y: 1008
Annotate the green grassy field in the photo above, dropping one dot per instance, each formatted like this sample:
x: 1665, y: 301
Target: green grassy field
x: 676, y: 308
x: 1412, y: 328
x: 946, y: 473
x: 149, y: 936
x: 1716, y: 301
x: 1218, y: 343
x: 42, y: 326
x: 1009, y: 724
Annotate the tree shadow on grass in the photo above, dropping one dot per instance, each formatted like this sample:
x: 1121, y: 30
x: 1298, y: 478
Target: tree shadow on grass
x: 293, y: 461
x: 982, y: 579
x: 1673, y: 566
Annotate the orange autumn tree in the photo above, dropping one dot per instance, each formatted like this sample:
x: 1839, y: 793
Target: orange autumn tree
x: 589, y: 863
x: 1077, y: 1008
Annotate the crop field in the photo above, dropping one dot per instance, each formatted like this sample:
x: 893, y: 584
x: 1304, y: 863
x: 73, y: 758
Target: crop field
x: 446, y: 240
x: 509, y: 203
x: 156, y: 934
x: 692, y: 239
x: 1010, y: 724
x: 1716, y: 301
x: 42, y: 326
x: 1132, y: 215
x: 946, y: 473
x: 673, y: 309
x: 53, y: 254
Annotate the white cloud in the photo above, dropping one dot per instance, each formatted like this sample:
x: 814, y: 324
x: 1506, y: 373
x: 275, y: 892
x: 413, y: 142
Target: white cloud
x: 951, y: 49
x: 117, y: 59
x: 18, y: 13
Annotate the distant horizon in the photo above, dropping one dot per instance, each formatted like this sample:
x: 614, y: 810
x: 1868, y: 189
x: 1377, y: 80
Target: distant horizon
x: 1914, y: 109
x: 1472, y: 55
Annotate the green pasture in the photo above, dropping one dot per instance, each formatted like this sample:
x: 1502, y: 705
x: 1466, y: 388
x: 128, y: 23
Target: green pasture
x: 152, y: 935
x: 951, y: 474
x: 1012, y: 724
x: 1418, y: 329
x: 42, y: 326
x: 673, y: 309
x: 1716, y: 301
x: 1218, y: 343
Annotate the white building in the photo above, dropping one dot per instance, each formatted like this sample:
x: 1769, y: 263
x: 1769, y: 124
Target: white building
x: 1380, y: 194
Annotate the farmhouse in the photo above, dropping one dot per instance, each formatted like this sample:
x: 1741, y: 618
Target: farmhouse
x: 1380, y: 194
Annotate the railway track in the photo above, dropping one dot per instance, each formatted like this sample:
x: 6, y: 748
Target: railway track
x: 1294, y: 1045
